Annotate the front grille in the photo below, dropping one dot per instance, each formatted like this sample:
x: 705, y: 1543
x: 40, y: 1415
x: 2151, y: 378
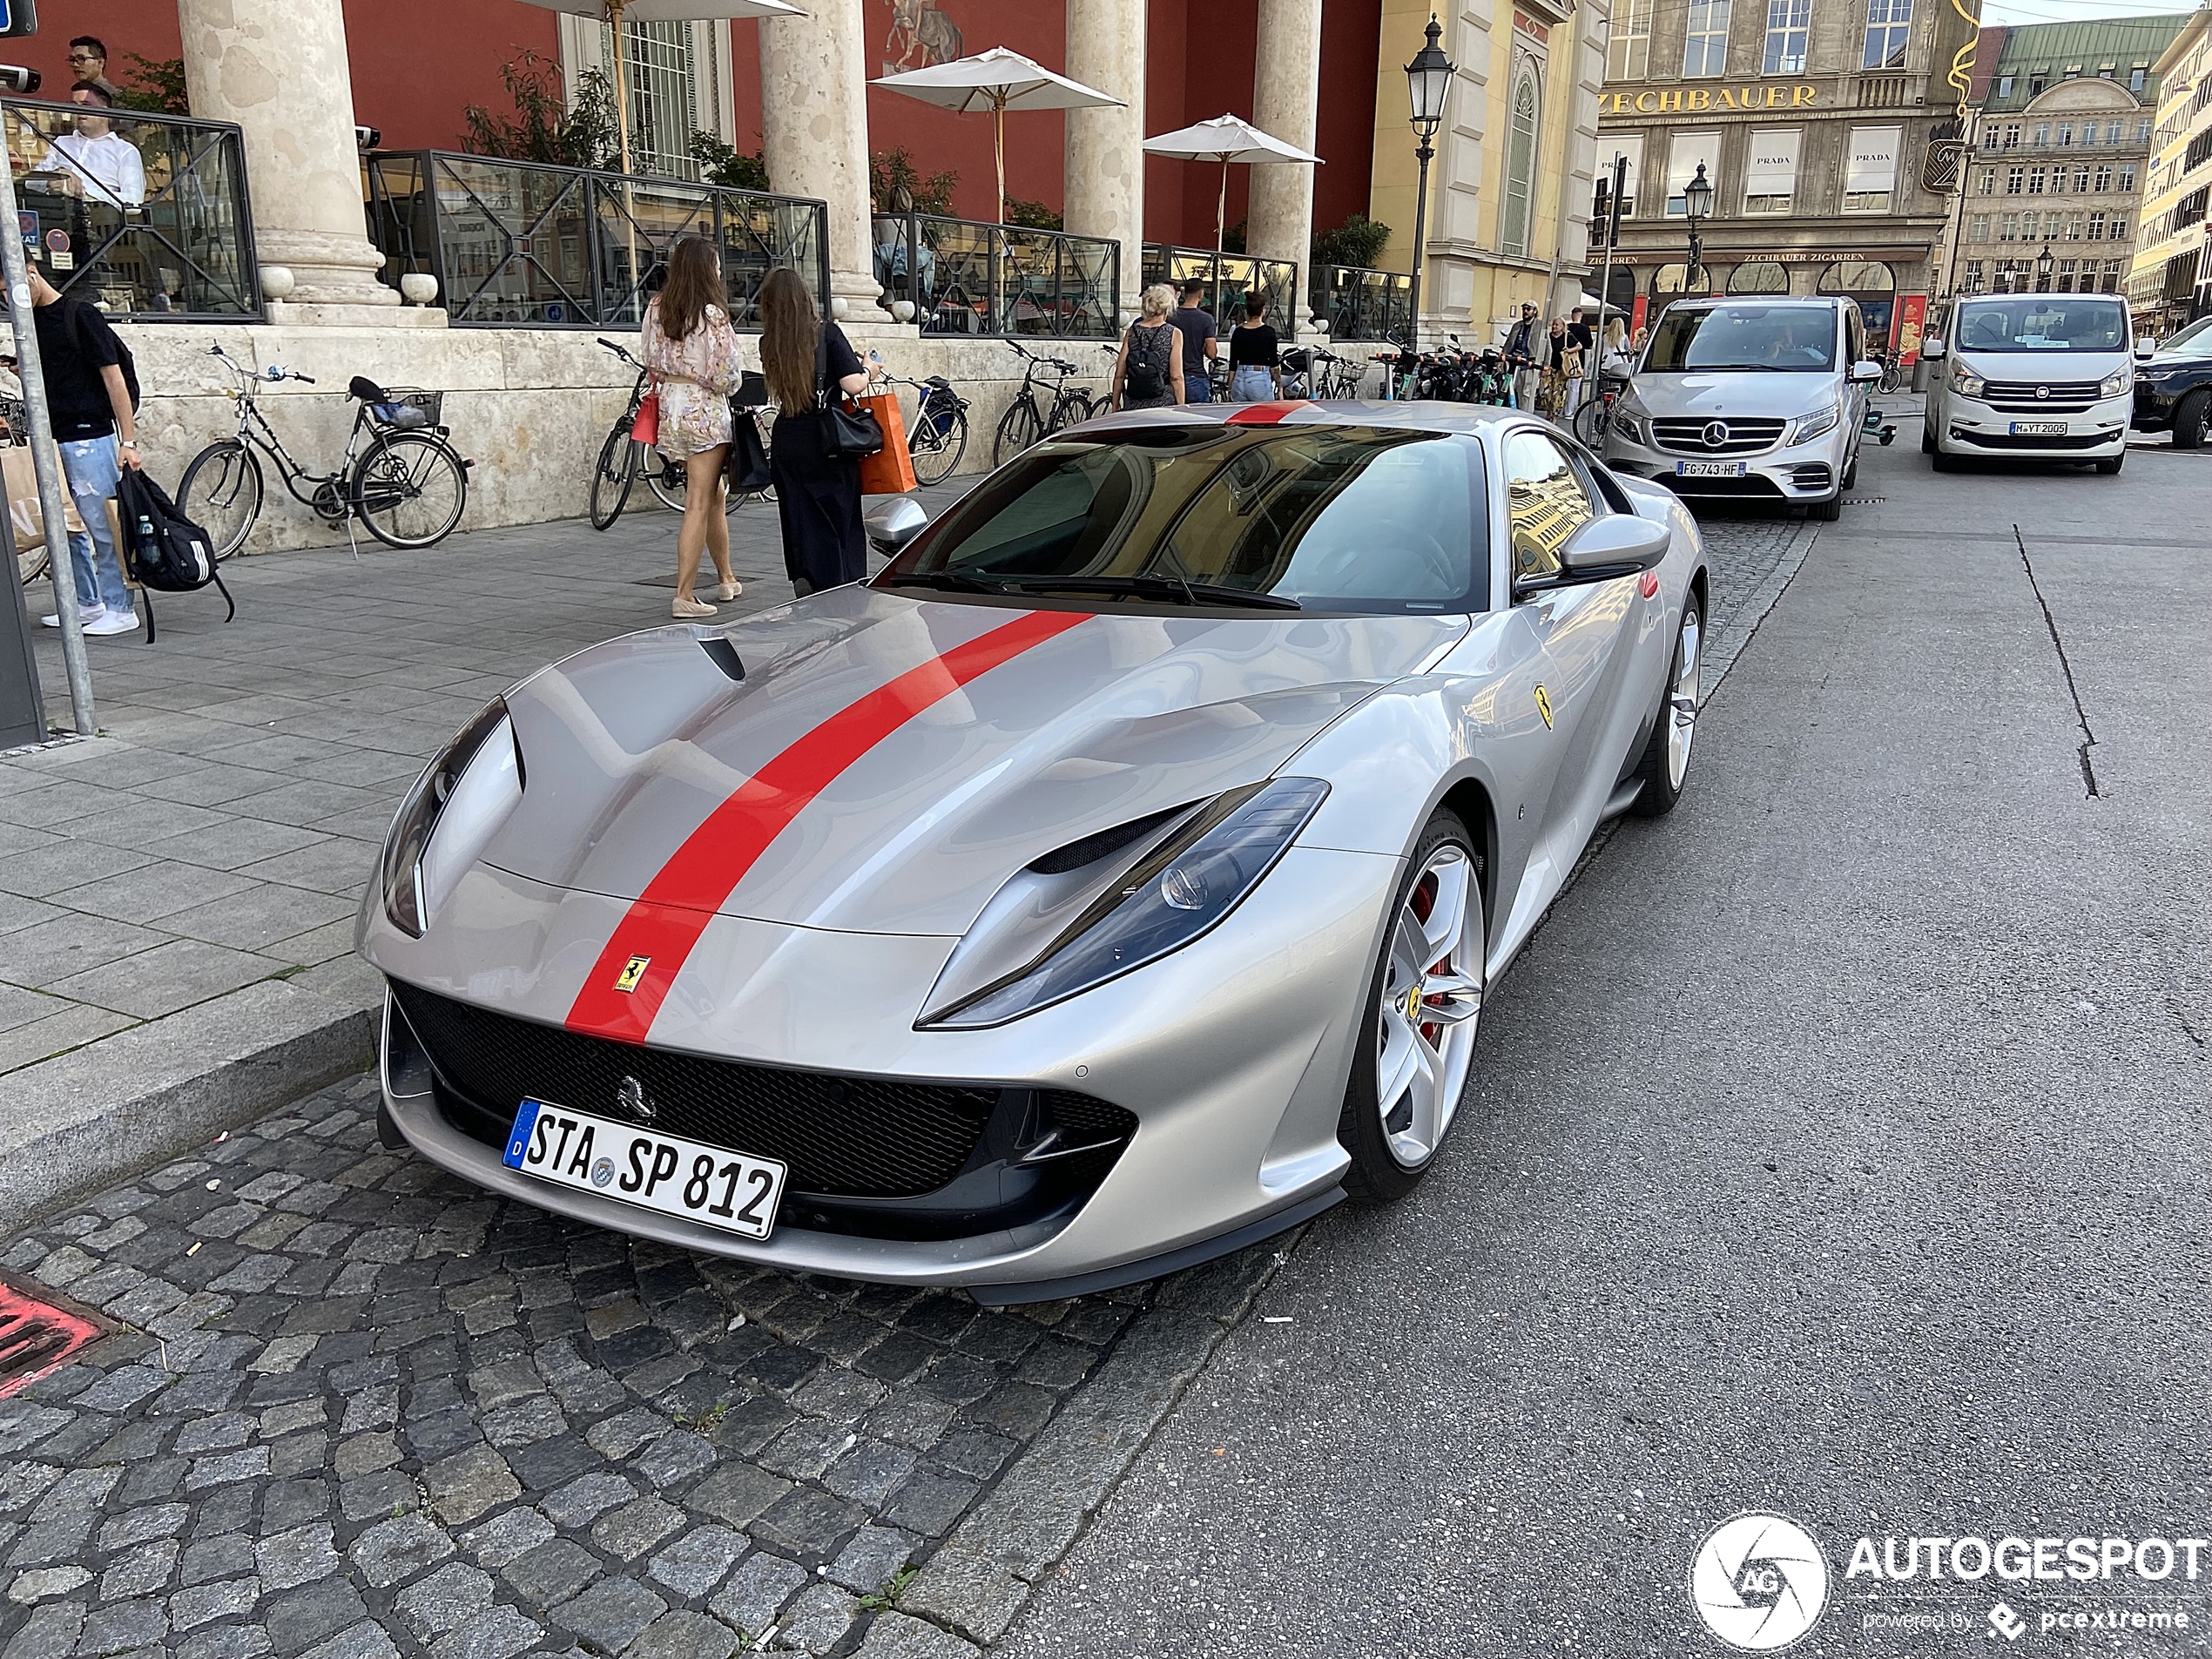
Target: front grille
x: 842, y: 1136
x: 2018, y: 441
x: 2024, y: 392
x: 1696, y: 436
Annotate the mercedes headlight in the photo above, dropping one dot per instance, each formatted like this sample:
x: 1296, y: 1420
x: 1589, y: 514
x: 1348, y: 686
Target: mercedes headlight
x: 1630, y: 427
x: 2117, y: 383
x: 1177, y: 891
x: 1965, y: 381
x: 1807, y: 427
x: 468, y: 799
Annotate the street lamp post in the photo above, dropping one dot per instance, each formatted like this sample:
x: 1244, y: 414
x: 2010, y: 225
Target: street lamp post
x: 1696, y: 203
x: 2043, y: 263
x: 1428, y: 78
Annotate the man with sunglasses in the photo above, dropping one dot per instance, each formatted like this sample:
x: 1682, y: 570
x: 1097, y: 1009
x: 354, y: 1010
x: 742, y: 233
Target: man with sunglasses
x: 88, y: 62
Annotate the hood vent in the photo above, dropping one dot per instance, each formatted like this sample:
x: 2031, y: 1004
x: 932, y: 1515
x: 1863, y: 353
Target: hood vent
x: 723, y: 655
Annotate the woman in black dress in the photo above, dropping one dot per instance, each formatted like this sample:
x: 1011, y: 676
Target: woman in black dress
x: 1147, y: 372
x: 817, y: 494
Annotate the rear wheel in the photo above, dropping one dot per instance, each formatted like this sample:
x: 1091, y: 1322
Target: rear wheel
x: 938, y: 445
x: 221, y: 493
x: 2189, y: 420
x: 410, y: 489
x: 1415, y: 1048
x: 612, y: 478
x: 1591, y: 420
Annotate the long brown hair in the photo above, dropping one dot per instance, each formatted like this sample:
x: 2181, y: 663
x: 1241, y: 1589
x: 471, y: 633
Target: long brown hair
x: 791, y: 329
x: 694, y: 283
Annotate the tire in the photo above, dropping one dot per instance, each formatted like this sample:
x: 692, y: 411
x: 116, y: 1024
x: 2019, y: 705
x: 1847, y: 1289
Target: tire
x: 1827, y: 512
x: 410, y: 489
x: 30, y: 563
x: 1590, y: 422
x: 1851, y: 473
x: 1664, y: 765
x: 2189, y: 420
x: 2110, y: 465
x: 936, y: 463
x: 1943, y: 461
x: 1393, y: 1143
x: 221, y: 493
x: 1927, y: 441
x: 612, y: 479
x: 1018, y: 428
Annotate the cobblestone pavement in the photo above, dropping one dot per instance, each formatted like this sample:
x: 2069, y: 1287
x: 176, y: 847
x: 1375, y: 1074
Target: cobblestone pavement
x: 361, y: 1408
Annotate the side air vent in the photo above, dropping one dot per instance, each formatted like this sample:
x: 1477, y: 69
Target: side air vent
x: 1098, y: 844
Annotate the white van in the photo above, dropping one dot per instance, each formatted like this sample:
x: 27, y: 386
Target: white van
x: 2032, y: 377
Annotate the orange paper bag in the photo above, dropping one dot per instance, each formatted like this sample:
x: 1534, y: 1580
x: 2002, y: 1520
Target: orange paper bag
x: 890, y: 470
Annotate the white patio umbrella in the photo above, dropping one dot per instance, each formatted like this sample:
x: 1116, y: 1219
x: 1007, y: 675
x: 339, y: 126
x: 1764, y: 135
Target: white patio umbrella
x: 997, y: 80
x: 1227, y: 138
x: 614, y: 11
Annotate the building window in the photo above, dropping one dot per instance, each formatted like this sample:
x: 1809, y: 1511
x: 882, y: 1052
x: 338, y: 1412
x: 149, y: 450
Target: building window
x: 1628, y: 54
x: 2119, y: 227
x: 2042, y: 135
x: 1973, y: 276
x: 2116, y: 132
x: 1520, y: 162
x: 1704, y: 49
x: 664, y: 105
x: 2106, y: 71
x: 2065, y: 276
x: 1631, y: 147
x: 1683, y: 154
x: 1989, y: 181
x: 2008, y: 228
x: 1888, y: 25
x: 1978, y: 228
x: 2065, y: 135
x: 2081, y: 181
x: 2012, y: 135
x: 1989, y: 137
x: 1869, y: 168
x: 2004, y: 86
x: 2104, y: 178
x: 2127, y: 178
x: 1788, y: 22
x: 2015, y: 180
x: 1770, y: 171
x: 2112, y: 276
x: 2097, y: 225
x: 2143, y: 133
x: 2136, y: 77
x: 2074, y: 227
x: 2035, y: 176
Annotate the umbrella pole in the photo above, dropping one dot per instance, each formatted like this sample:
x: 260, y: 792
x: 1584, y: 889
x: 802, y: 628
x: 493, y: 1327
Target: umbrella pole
x: 998, y: 148
x: 622, y: 81
x: 1220, y: 221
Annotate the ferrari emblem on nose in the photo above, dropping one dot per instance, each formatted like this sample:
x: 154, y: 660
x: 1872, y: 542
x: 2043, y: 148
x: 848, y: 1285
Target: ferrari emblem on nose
x: 629, y: 1095
x: 632, y: 971
x: 1544, y: 706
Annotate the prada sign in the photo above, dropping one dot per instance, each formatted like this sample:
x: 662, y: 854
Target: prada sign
x: 1705, y: 100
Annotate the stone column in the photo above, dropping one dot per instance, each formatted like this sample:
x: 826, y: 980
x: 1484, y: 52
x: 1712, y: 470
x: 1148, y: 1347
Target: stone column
x: 1286, y: 95
x: 280, y: 70
x: 814, y: 133
x: 1104, y: 187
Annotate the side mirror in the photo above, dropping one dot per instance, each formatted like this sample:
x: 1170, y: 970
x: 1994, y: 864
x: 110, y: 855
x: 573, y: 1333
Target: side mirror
x: 891, y: 524
x: 1866, y: 369
x: 2144, y: 351
x: 1617, y: 544
x: 1932, y: 348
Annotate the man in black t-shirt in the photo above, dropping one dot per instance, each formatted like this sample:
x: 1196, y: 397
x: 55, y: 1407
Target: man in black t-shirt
x: 1196, y: 327
x: 89, y: 404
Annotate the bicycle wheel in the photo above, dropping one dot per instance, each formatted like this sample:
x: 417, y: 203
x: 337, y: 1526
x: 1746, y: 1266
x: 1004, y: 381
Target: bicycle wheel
x: 1019, y: 428
x: 612, y: 478
x: 1072, y: 408
x: 937, y: 451
x: 31, y: 563
x: 666, y: 478
x: 409, y: 489
x: 1591, y: 421
x: 221, y: 493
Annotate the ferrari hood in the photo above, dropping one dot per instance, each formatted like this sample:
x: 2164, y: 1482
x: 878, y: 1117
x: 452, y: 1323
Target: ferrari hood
x: 865, y: 762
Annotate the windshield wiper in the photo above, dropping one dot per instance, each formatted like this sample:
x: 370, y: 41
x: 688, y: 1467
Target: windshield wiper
x: 1154, y: 587
x: 953, y: 580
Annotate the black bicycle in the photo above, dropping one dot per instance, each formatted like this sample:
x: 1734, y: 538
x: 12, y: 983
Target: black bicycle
x: 937, y: 436
x: 623, y: 460
x: 1026, y: 419
x: 410, y: 485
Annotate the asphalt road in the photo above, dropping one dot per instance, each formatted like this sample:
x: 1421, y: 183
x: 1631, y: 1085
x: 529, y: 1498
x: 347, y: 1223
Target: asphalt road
x: 1839, y: 1149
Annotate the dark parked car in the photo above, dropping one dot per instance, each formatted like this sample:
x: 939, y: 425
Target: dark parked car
x: 2174, y: 387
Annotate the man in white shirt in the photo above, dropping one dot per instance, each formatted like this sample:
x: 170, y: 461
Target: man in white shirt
x: 95, y: 162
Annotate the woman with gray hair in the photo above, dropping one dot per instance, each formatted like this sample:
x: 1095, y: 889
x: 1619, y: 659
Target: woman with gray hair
x: 1147, y: 370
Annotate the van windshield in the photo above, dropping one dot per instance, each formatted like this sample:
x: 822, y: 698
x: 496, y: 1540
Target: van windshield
x: 1791, y: 339
x: 2043, y: 322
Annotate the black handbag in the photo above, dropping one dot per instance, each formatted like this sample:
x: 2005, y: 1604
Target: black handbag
x: 748, y: 463
x: 848, y: 431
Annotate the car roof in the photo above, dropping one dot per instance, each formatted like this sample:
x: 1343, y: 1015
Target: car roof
x: 1423, y: 415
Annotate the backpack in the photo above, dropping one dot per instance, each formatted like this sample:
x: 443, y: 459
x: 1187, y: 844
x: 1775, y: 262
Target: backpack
x: 1144, y: 378
x: 166, y: 552
x: 123, y: 361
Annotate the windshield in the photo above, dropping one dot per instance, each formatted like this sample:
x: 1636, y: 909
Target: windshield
x: 2043, y: 322
x: 2196, y: 341
x: 1366, y: 519
x: 1794, y: 339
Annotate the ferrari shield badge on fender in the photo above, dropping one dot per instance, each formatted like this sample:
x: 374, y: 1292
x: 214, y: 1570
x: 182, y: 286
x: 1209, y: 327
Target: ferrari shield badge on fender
x: 634, y: 969
x: 1544, y: 706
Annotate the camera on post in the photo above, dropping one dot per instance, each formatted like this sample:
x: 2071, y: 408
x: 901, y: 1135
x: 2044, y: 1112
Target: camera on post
x: 367, y: 139
x: 14, y: 77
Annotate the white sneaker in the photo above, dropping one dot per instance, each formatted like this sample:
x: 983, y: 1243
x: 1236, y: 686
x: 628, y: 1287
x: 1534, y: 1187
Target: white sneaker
x: 86, y: 619
x: 114, y: 622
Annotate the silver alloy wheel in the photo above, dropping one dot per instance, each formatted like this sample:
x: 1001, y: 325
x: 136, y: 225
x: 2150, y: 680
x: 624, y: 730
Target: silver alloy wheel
x: 1683, y: 699
x: 1431, y: 1004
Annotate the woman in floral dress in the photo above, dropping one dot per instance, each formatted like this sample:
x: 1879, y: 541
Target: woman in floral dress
x: 693, y: 351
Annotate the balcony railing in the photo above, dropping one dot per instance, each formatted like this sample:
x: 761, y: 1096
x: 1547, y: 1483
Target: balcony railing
x: 972, y: 278
x: 520, y: 244
x: 1229, y: 278
x: 1362, y: 303
x: 147, y: 217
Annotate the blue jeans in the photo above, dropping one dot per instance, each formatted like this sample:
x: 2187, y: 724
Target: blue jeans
x: 1250, y: 385
x: 93, y: 466
x: 1197, y: 389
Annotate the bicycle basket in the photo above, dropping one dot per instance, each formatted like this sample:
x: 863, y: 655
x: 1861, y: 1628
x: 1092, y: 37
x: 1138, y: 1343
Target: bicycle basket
x: 408, y: 408
x: 941, y: 409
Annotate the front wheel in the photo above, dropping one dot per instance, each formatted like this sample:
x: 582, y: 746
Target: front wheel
x: 1018, y: 428
x: 1826, y: 512
x: 612, y: 478
x: 2109, y: 465
x: 410, y: 489
x: 221, y: 493
x: 1591, y: 421
x: 1665, y: 761
x: 1415, y: 1046
x: 937, y: 446
x: 2189, y: 420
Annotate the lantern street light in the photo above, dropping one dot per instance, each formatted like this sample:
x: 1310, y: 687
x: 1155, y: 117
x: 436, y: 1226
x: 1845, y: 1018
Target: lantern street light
x: 1428, y: 78
x: 1696, y: 203
x: 2043, y: 263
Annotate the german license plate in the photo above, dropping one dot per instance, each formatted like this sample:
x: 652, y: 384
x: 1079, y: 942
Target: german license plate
x: 709, y: 1184
x: 2038, y: 428
x: 1709, y: 469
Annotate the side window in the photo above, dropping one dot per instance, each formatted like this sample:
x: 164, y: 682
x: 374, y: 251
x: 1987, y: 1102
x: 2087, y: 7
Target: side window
x: 1545, y: 503
x: 1854, y: 337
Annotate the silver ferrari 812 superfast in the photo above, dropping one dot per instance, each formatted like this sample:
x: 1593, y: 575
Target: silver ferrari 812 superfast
x: 1112, y: 881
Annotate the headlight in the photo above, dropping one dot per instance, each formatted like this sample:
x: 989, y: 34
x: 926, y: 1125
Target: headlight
x: 1177, y: 893
x: 2119, y: 381
x: 1630, y: 427
x: 1965, y: 381
x: 1809, y: 427
x: 413, y: 877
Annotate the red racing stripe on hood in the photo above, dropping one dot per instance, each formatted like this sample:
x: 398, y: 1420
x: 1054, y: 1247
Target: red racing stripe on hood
x: 665, y: 922
x: 1265, y: 413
